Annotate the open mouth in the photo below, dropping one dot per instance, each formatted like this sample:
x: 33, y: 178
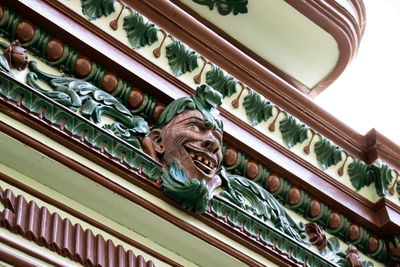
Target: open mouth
x: 202, y: 161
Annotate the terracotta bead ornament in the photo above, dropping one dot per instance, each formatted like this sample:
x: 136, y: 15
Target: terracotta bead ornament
x: 16, y: 56
x: 189, y: 133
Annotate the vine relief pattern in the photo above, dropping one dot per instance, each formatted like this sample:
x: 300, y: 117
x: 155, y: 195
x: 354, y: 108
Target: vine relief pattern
x: 92, y: 103
x: 144, y: 105
x: 141, y: 32
x: 182, y: 60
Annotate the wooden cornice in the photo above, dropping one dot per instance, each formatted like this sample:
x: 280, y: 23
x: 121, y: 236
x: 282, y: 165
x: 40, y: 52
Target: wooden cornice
x: 276, y: 90
x: 350, y: 204
x: 139, y: 180
x: 241, y: 66
x: 280, y: 159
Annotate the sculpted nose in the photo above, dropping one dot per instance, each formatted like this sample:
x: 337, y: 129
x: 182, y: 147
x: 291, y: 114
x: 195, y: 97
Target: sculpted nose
x: 211, y: 145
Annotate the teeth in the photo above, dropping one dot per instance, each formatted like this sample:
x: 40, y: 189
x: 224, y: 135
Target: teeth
x: 200, y: 158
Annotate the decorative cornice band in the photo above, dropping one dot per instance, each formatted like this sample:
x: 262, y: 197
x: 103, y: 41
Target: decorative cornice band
x: 141, y: 180
x: 327, y: 153
x: 64, y: 122
x: 254, y: 228
x: 305, y: 210
x: 13, y: 221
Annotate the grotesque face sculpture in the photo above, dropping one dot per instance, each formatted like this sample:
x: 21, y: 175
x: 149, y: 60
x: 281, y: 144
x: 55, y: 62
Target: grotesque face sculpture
x: 191, y: 144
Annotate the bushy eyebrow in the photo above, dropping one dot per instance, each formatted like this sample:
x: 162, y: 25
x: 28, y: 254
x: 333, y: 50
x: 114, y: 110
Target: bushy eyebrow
x: 192, y: 117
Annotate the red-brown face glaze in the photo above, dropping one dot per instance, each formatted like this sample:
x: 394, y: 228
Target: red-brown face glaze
x: 195, y: 147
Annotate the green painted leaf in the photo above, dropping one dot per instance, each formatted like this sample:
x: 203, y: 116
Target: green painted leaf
x: 77, y: 126
x: 357, y: 172
x: 92, y: 102
x: 384, y: 180
x: 180, y: 58
x: 327, y: 153
x: 139, y: 129
x: 257, y: 107
x: 225, y: 7
x: 192, y: 194
x: 362, y: 175
x: 261, y: 203
x: 331, y: 252
x: 139, y: 33
x: 210, y: 98
x: 95, y: 9
x: 292, y: 131
x: 224, y: 84
x: 4, y: 66
x: 175, y: 107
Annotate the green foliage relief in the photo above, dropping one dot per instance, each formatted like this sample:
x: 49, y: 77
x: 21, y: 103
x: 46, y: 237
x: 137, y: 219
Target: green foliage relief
x: 180, y: 58
x: 139, y: 33
x: 224, y: 84
x: 262, y: 204
x: 327, y: 153
x: 54, y: 114
x: 193, y: 194
x: 362, y: 175
x: 4, y: 66
x: 91, y: 102
x: 292, y: 131
x: 257, y: 108
x: 95, y: 9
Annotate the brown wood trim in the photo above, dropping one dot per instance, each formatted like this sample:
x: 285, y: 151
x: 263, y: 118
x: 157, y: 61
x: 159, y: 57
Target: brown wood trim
x: 58, y: 234
x: 361, y: 14
x: 100, y: 179
x: 275, y: 166
x: 306, y: 111
x: 207, y: 43
x: 379, y: 146
x: 81, y: 216
x: 278, y: 147
x: 361, y: 211
x: 15, y: 260
x: 326, y: 189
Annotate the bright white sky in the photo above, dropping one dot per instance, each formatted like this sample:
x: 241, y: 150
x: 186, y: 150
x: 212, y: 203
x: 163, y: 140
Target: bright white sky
x: 367, y: 94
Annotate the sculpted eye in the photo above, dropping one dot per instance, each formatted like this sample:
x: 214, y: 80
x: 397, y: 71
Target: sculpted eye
x: 193, y: 127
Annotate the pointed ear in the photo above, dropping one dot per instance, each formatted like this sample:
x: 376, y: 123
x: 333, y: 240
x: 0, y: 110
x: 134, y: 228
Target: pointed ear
x: 147, y: 146
x: 152, y: 144
x: 157, y: 141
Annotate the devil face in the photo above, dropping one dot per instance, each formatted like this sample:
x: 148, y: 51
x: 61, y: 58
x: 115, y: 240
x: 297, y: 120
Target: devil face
x: 193, y: 146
